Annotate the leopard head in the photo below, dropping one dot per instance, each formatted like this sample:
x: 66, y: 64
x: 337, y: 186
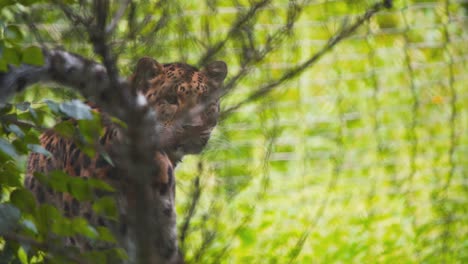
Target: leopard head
x: 185, y: 99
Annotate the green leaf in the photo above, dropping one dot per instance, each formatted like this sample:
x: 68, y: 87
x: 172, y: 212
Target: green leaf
x: 53, y: 106
x: 106, y: 206
x: 30, y: 225
x: 9, y: 175
x: 12, y: 56
x: 33, y: 55
x: 62, y: 226
x: 76, y: 109
x: 65, y: 129
x: 87, y: 149
x: 81, y: 226
x: 33, y: 113
x: 90, y: 129
x: 16, y: 130
x: 99, y: 184
x: 59, y: 180
x: 13, y: 33
x: 246, y: 235
x: 9, y: 216
x: 29, y: 2
x: 7, y: 148
x: 5, y: 3
x: 23, y: 106
x: 23, y: 257
x: 31, y: 138
x: 80, y: 189
x: 20, y: 146
x: 23, y: 200
x: 39, y: 149
x: 105, y: 234
x: 41, y: 177
x: 5, y: 108
x: 3, y: 65
x: 46, y: 216
x: 118, y: 122
x: 122, y: 254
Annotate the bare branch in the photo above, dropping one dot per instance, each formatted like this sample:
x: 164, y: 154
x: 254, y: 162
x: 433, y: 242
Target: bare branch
x: 118, y: 15
x: 134, y: 29
x: 99, y: 38
x: 273, y: 42
x: 344, y: 32
x: 239, y: 23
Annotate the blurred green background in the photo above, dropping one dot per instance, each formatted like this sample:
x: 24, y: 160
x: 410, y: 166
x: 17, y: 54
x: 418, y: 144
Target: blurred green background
x: 361, y: 159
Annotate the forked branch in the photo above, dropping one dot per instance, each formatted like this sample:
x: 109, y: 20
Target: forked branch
x: 340, y: 35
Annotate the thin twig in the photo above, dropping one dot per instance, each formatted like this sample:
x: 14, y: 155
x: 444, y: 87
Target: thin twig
x: 239, y: 23
x: 195, y: 198
x: 32, y: 27
x: 74, y: 17
x: 343, y: 33
x: 117, y: 17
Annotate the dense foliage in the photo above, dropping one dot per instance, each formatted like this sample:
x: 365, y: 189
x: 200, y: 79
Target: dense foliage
x: 360, y: 159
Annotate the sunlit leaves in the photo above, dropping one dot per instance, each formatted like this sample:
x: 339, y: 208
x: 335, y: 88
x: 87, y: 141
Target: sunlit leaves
x: 246, y: 235
x: 22, y: 255
x: 12, y: 49
x: 11, y: 55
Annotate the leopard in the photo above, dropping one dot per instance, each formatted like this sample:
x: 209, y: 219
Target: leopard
x: 186, y: 103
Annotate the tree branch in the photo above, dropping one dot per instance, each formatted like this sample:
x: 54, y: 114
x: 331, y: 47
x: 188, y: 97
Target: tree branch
x: 118, y: 15
x: 134, y: 157
x: 239, y: 23
x: 343, y: 33
x: 71, y: 70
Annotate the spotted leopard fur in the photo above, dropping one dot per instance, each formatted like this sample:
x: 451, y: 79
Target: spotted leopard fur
x: 186, y: 102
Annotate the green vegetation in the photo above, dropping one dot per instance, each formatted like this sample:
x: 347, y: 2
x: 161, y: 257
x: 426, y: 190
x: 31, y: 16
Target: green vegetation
x: 361, y: 159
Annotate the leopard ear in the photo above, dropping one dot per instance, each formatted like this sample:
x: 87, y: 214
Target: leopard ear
x: 216, y: 71
x: 146, y: 69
